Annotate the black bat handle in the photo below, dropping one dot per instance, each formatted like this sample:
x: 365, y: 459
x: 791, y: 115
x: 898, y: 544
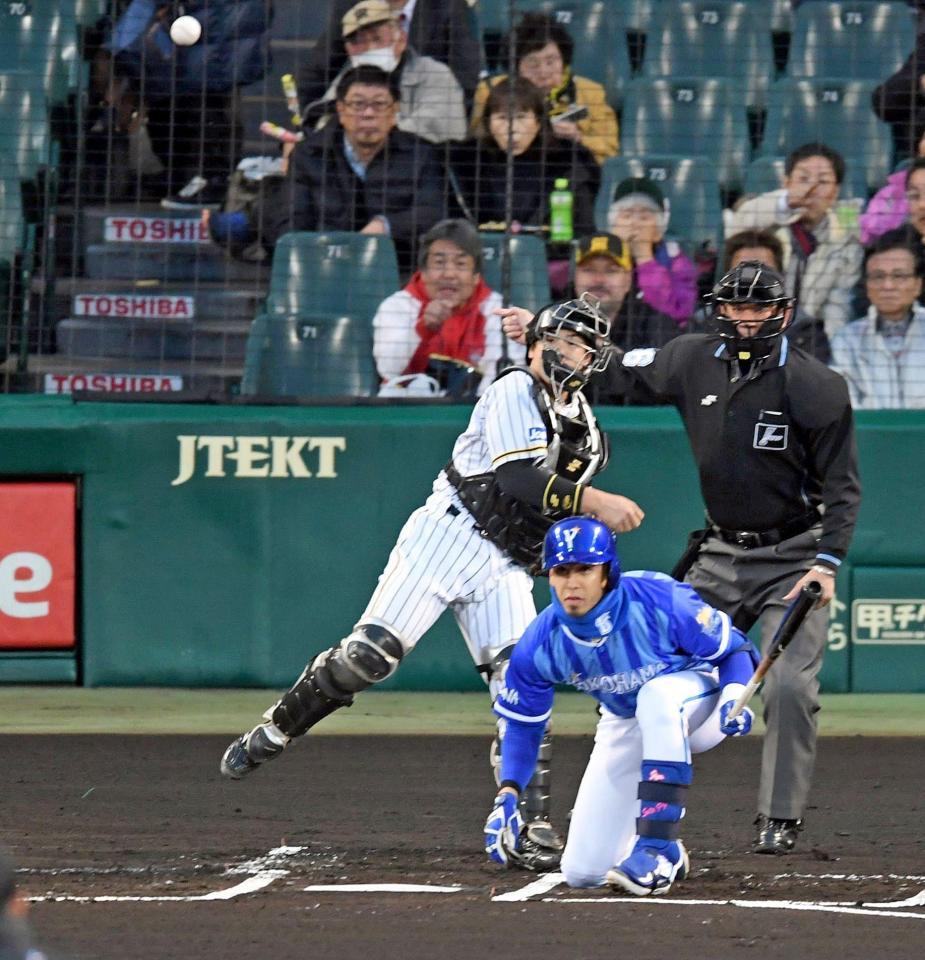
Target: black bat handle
x: 796, y: 613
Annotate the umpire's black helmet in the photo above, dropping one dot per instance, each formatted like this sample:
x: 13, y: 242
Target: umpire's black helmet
x: 751, y: 283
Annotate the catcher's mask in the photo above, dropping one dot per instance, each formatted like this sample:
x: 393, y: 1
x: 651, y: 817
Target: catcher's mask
x: 583, y: 318
x: 751, y: 283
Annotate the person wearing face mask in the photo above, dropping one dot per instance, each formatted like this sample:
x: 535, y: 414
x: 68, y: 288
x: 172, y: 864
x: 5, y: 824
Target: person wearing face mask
x: 819, y: 251
x: 441, y: 29
x: 431, y: 102
x: 666, y: 277
x: 479, y: 166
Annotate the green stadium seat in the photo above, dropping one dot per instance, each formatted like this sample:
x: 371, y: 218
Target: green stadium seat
x: 767, y: 173
x: 688, y: 183
x: 688, y: 116
x: 529, y: 275
x: 11, y: 226
x: 24, y: 134
x: 854, y: 39
x: 311, y: 355
x: 717, y: 38
x: 41, y: 42
x: 835, y: 112
x: 332, y: 272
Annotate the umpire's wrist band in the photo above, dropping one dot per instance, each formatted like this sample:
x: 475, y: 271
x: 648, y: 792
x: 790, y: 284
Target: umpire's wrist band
x: 821, y: 568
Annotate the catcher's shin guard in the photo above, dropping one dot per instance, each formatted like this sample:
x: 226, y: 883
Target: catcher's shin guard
x: 370, y: 654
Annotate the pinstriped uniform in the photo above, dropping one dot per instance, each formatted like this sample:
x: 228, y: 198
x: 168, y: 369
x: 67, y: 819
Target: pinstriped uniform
x: 440, y: 560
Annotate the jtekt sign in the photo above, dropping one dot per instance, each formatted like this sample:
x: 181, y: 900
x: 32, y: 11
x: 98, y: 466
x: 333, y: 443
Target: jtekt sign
x: 37, y: 565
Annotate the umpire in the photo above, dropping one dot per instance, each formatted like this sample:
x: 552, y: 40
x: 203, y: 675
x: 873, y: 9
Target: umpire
x: 772, y: 434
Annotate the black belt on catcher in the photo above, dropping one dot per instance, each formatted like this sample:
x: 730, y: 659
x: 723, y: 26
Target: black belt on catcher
x: 752, y: 539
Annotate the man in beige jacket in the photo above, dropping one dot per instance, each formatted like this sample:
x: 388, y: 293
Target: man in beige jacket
x: 825, y: 251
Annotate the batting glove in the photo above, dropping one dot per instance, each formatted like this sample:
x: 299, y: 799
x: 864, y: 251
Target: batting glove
x: 737, y: 727
x: 502, y: 828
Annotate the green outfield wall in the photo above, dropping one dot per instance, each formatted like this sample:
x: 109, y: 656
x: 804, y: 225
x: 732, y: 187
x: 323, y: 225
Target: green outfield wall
x: 225, y: 545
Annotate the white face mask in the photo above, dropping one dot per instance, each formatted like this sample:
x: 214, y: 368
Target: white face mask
x: 383, y: 57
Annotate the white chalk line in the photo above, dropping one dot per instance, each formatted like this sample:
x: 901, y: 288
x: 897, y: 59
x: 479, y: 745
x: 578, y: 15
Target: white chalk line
x: 543, y: 884
x: 379, y: 888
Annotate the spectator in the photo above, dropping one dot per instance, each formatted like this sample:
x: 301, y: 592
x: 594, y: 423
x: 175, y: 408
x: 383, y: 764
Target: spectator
x: 188, y: 92
x: 882, y: 355
x: 543, y: 54
x: 900, y: 99
x: 15, y: 935
x: 604, y: 269
x: 441, y: 29
x: 445, y: 313
x: 901, y: 199
x: 360, y: 173
x: 760, y: 245
x: 431, y: 100
x: 815, y: 244
x: 667, y: 278
x: 479, y: 167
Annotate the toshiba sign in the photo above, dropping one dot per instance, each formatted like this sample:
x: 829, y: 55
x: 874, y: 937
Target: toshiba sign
x: 37, y: 565
x: 154, y: 230
x: 134, y: 306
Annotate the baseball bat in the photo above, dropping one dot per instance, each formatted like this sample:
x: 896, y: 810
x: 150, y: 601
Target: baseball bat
x: 793, y: 618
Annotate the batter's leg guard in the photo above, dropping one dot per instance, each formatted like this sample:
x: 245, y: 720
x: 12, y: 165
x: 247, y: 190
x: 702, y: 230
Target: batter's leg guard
x: 370, y: 654
x: 540, y: 845
x: 658, y: 857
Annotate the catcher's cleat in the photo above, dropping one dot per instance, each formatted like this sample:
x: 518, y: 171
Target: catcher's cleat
x: 249, y: 751
x: 775, y: 835
x: 540, y: 848
x: 651, y: 868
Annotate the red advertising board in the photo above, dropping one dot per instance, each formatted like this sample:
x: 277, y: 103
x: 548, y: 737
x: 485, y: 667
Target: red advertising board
x: 37, y: 565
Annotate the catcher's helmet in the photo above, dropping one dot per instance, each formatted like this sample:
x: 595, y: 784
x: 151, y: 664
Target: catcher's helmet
x: 582, y: 540
x: 751, y: 283
x: 582, y: 317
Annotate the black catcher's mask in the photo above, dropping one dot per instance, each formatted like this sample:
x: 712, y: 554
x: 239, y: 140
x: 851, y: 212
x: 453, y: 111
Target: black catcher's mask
x: 751, y: 283
x: 582, y: 317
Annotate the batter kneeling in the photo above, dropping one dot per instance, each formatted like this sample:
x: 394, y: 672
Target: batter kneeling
x: 666, y: 669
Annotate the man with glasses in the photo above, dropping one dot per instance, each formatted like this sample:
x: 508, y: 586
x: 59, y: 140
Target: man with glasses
x: 882, y: 355
x: 360, y: 173
x: 431, y: 100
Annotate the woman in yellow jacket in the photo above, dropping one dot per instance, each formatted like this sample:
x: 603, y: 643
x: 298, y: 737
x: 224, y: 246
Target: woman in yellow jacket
x: 543, y: 54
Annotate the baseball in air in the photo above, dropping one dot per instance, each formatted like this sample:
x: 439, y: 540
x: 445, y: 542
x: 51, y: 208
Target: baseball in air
x: 185, y: 31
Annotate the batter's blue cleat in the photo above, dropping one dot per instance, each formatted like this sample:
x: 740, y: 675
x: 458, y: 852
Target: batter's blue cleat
x: 249, y: 751
x: 651, y: 868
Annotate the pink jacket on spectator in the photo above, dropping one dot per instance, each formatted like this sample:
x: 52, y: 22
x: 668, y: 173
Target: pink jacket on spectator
x: 669, y: 282
x: 887, y: 208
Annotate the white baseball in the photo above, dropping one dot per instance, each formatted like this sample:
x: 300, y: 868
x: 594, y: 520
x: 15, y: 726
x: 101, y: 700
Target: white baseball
x: 185, y: 31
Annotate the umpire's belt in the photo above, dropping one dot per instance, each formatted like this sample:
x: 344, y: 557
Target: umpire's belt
x: 752, y: 539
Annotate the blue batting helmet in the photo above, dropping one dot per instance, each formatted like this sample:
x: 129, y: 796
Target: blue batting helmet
x: 581, y: 540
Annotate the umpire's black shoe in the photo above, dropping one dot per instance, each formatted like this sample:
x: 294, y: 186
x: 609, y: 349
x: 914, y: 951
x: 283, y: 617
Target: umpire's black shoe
x: 249, y: 751
x: 775, y: 835
x: 540, y: 848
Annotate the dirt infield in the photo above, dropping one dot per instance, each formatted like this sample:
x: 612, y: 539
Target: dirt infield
x: 147, y: 823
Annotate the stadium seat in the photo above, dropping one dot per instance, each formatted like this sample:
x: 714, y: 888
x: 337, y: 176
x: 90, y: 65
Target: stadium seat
x: 688, y: 183
x: 311, y: 355
x: 721, y: 38
x: 40, y: 41
x: 834, y: 112
x: 24, y: 136
x: 332, y: 273
x: 854, y: 40
x: 688, y: 116
x: 767, y: 173
x: 529, y: 276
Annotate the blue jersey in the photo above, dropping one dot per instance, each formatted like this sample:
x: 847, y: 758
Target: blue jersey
x: 648, y: 625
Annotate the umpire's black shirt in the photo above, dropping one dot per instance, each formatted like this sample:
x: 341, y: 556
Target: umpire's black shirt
x: 770, y: 444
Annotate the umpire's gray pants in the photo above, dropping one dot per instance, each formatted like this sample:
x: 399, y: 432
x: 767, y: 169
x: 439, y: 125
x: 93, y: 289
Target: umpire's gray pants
x: 750, y: 585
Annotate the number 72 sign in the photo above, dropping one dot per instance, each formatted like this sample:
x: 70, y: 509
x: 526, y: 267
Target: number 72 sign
x: 37, y: 565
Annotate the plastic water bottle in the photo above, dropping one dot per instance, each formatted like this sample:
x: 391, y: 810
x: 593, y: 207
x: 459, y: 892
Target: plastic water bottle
x: 560, y: 212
